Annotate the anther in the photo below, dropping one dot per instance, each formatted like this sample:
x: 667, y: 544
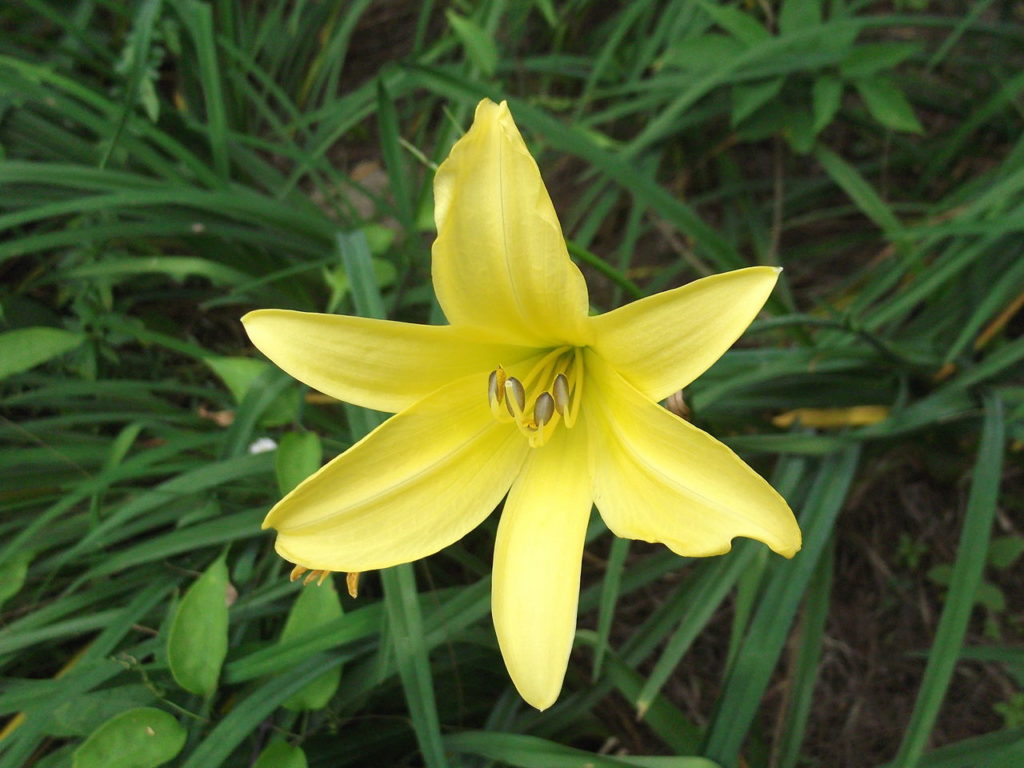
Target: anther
x: 514, y: 390
x: 352, y: 582
x: 297, y: 572
x: 496, y: 385
x: 543, y: 409
x: 560, y: 390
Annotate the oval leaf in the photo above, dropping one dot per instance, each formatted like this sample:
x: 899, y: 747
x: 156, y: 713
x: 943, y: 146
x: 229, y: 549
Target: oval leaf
x: 139, y: 738
x: 198, y: 641
x: 28, y: 347
x: 281, y: 755
x: 13, y: 572
x: 315, y: 606
x: 887, y: 104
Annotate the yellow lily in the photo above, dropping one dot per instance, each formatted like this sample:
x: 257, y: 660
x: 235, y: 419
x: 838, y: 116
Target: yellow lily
x: 525, y: 394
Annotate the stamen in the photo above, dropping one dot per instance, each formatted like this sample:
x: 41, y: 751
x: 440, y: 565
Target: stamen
x: 543, y: 409
x: 496, y: 386
x: 577, y: 392
x: 297, y: 572
x: 352, y: 582
x: 541, y: 397
x: 560, y: 390
x: 516, y: 401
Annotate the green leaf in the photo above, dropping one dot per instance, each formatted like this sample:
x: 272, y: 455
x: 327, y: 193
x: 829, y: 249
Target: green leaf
x: 314, y: 607
x: 280, y: 754
x: 873, y: 58
x: 13, y: 572
x: 887, y: 104
x: 740, y: 25
x: 240, y: 373
x: 703, y: 53
x: 198, y: 641
x: 139, y: 738
x: 547, y: 9
x: 747, y: 98
x: 81, y: 715
x: 298, y: 456
x: 1004, y: 551
x: 799, y: 130
x: 534, y: 752
x: 28, y: 347
x: 859, y: 190
x: 826, y: 97
x: 982, y: 503
x: 767, y: 121
x: 990, y: 596
x: 799, y: 14
x: 479, y: 46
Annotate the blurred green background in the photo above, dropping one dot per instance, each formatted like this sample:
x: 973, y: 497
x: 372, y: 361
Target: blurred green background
x: 167, y: 166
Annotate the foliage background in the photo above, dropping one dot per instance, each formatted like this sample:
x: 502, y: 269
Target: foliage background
x: 169, y: 165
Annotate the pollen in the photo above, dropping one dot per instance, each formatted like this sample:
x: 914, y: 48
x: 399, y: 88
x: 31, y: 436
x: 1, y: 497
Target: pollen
x: 548, y: 394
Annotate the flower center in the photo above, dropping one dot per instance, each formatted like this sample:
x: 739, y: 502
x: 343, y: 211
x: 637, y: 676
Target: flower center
x: 551, y: 392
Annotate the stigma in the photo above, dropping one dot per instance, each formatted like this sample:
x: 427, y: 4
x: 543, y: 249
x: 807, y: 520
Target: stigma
x: 549, y: 394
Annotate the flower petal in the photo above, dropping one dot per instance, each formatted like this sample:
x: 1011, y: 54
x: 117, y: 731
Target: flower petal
x: 659, y: 478
x: 499, y: 261
x: 377, y: 364
x: 537, y: 559
x: 662, y: 343
x: 414, y: 485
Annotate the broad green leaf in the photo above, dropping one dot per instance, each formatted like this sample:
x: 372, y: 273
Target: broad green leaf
x: 26, y: 348
x: 703, y: 53
x: 139, y: 738
x: 239, y: 374
x: 747, y: 98
x: 874, y: 58
x: 198, y: 641
x: 887, y: 104
x: 740, y: 25
x: 281, y: 754
x: 13, y: 571
x: 799, y: 14
x: 314, y: 607
x: 826, y: 97
x: 298, y: 456
x: 479, y: 45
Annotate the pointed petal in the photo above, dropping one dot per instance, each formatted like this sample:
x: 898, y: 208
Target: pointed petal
x: 659, y: 478
x: 499, y: 261
x: 377, y: 364
x: 662, y: 343
x: 537, y: 559
x: 414, y: 485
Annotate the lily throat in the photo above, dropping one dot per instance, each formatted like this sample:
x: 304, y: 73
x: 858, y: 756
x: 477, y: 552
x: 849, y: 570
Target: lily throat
x: 549, y: 394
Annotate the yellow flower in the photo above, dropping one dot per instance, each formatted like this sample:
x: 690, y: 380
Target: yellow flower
x: 525, y: 394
